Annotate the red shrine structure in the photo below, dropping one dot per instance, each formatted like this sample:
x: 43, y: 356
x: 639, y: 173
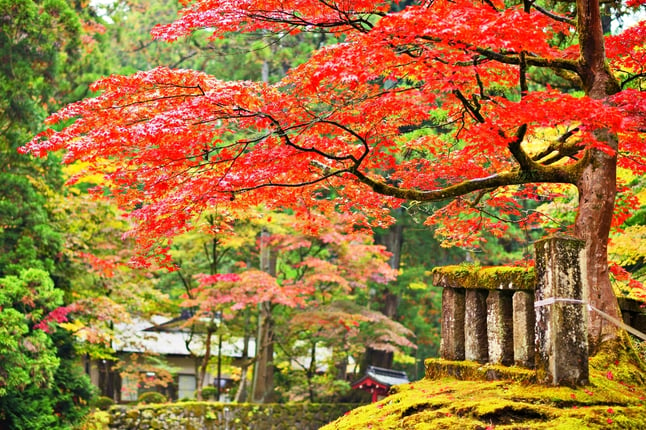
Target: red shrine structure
x: 378, y: 381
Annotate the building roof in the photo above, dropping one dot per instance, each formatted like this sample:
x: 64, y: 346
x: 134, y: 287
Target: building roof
x: 383, y: 377
x: 137, y: 336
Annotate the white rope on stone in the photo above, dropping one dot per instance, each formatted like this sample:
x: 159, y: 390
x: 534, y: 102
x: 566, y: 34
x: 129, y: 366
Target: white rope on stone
x: 609, y: 318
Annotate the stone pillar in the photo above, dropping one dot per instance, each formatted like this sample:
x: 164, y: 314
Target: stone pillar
x: 500, y: 329
x: 561, y: 316
x: 452, y: 344
x: 475, y: 326
x: 524, y: 326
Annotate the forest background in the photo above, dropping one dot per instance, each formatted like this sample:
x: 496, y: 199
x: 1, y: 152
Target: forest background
x: 66, y: 264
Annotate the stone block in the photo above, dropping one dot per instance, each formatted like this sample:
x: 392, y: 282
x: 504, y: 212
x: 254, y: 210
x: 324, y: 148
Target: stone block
x: 524, y: 325
x: 476, y: 346
x: 500, y: 329
x: 452, y: 344
x: 561, y: 316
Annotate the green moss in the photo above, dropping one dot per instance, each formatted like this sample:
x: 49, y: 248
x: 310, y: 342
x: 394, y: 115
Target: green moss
x: 614, y: 399
x: 97, y: 420
x: 491, y: 278
x: 437, y: 368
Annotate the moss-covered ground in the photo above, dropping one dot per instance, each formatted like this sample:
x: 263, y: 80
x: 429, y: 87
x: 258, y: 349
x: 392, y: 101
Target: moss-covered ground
x: 614, y: 399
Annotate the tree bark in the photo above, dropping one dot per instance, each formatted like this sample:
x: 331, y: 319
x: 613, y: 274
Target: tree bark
x: 392, y: 239
x: 241, y: 394
x: 204, y: 362
x: 263, y: 375
x: 597, y: 189
x: 597, y: 185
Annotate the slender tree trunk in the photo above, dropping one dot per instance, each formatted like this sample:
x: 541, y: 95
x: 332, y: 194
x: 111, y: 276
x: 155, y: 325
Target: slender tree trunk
x: 219, y: 387
x: 263, y: 375
x: 241, y: 394
x: 597, y: 184
x: 311, y: 372
x: 392, y: 240
x: 204, y: 362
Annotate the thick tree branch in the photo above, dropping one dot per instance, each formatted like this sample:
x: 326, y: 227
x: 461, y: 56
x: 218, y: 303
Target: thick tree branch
x: 524, y: 161
x: 530, y: 60
x: 548, y: 174
x: 511, y: 57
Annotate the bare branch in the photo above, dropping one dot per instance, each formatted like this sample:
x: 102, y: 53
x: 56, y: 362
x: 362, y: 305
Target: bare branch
x: 558, y: 149
x: 524, y: 89
x: 632, y: 78
x: 474, y: 111
x: 295, y: 184
x: 554, y: 16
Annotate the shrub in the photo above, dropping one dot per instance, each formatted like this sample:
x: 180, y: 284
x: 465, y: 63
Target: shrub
x: 152, y: 397
x: 103, y: 403
x: 209, y: 393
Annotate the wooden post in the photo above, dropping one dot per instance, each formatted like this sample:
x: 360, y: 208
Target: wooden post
x: 561, y: 315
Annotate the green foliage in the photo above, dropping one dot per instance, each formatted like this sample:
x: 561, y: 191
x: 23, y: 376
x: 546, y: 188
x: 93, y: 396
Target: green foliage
x: 97, y: 420
x: 209, y: 393
x: 28, y: 354
x: 42, y: 61
x: 151, y: 397
x: 36, y: 37
x: 27, y: 238
x: 71, y: 389
x: 102, y: 402
x: 41, y: 384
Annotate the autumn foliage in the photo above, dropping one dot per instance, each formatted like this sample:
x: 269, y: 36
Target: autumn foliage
x: 482, y: 102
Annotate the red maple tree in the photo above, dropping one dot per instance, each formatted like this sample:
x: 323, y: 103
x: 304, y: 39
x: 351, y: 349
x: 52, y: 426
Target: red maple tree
x: 426, y: 101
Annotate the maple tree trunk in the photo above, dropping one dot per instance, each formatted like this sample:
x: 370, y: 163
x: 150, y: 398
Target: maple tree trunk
x: 597, y: 184
x: 597, y: 189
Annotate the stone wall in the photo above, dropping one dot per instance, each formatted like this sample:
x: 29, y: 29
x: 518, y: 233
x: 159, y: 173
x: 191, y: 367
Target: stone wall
x: 487, y: 314
x: 221, y: 416
x: 536, y: 319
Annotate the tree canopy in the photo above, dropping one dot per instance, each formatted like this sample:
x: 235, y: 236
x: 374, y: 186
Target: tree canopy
x: 482, y: 103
